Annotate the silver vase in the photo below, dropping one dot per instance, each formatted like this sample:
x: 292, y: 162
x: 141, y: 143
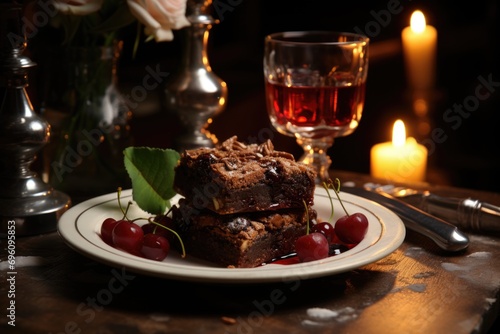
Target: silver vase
x: 27, y: 204
x: 194, y: 94
x: 90, y: 121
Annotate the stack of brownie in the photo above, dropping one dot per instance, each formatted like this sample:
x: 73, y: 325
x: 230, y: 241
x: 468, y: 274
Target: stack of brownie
x: 243, y: 205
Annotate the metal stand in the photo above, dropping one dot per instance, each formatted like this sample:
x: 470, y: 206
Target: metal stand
x: 195, y: 94
x: 27, y: 204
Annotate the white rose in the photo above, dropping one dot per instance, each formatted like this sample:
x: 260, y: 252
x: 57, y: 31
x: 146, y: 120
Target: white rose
x: 77, y: 7
x: 160, y: 17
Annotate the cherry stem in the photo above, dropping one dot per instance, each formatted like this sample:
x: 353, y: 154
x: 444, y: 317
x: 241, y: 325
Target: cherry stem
x: 124, y: 212
x: 325, y: 185
x: 337, y: 190
x: 169, y: 229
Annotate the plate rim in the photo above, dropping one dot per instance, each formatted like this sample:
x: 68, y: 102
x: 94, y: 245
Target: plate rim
x: 68, y: 229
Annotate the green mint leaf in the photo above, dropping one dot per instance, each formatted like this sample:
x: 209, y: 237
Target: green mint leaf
x: 152, y: 173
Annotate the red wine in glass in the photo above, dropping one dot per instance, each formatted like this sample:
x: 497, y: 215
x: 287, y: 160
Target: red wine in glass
x: 315, y: 111
x: 315, y: 89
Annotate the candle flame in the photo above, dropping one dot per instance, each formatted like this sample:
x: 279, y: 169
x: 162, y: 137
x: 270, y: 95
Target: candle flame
x: 417, y: 22
x: 398, y: 134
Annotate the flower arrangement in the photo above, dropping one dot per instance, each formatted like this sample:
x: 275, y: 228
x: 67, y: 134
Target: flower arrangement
x: 91, y: 22
x: 88, y: 116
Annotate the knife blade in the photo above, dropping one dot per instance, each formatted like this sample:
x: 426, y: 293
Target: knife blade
x: 447, y: 236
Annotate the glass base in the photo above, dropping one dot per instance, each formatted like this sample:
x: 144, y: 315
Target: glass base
x: 315, y: 156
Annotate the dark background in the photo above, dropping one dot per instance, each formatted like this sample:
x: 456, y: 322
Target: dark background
x: 467, y: 49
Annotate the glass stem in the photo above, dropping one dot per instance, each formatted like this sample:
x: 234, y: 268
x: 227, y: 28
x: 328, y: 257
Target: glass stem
x: 315, y: 155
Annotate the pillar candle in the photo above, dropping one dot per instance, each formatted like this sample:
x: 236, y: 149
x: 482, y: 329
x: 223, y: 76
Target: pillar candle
x: 419, y: 49
x: 402, y: 160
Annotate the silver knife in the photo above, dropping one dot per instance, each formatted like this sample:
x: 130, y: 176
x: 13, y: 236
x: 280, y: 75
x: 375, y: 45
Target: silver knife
x: 447, y: 236
x: 467, y: 213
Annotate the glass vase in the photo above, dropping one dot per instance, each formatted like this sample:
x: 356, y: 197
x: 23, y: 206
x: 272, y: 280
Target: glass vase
x: 89, y: 122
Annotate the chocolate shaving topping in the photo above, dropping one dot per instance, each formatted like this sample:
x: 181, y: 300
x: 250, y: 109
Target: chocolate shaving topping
x: 282, y: 154
x: 228, y: 144
x: 236, y: 153
x: 231, y: 163
x: 266, y: 148
x: 239, y: 146
x: 232, y: 144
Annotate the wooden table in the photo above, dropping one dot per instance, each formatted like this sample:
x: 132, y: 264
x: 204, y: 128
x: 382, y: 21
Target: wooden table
x: 416, y: 289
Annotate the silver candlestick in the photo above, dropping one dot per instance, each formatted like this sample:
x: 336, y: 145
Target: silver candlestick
x: 195, y: 94
x: 27, y: 204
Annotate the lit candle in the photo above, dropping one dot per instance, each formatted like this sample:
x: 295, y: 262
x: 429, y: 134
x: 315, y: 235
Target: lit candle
x: 402, y: 160
x: 419, y: 49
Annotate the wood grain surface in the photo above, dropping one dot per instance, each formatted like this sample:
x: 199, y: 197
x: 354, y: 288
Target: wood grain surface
x: 417, y: 289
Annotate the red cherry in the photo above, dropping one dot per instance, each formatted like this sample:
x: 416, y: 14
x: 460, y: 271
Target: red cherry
x: 327, y: 230
x: 351, y: 229
x: 155, y: 247
x: 107, y: 229
x: 312, y: 246
x: 154, y: 229
x: 127, y: 236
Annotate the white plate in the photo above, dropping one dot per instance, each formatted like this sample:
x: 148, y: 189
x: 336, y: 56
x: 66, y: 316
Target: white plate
x: 80, y: 226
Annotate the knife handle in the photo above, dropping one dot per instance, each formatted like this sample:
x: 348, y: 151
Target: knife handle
x: 467, y: 213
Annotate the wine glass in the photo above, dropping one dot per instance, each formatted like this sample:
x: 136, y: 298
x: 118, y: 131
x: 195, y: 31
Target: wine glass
x: 315, y: 89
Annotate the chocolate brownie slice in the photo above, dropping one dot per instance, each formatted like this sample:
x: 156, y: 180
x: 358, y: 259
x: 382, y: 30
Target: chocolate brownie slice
x: 234, y: 177
x: 244, y: 240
